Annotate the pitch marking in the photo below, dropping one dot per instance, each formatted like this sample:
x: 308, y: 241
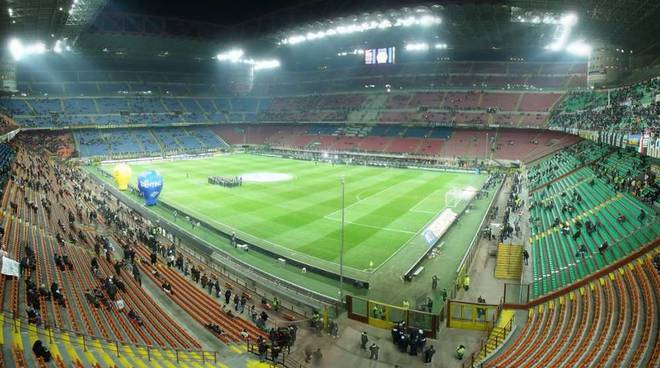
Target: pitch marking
x: 375, y: 227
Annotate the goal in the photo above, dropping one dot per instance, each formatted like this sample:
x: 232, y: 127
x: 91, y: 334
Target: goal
x: 457, y: 196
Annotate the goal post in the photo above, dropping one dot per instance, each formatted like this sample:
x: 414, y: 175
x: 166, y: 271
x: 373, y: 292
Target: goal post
x: 456, y: 196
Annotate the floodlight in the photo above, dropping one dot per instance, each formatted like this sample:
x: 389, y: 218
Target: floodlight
x: 37, y: 48
x: 440, y: 46
x: 58, y: 47
x: 16, y: 48
x: 384, y: 24
x: 417, y: 46
x: 296, y: 39
x: 231, y: 55
x: 569, y: 19
x: 11, y: 12
x: 555, y: 46
x: 266, y: 64
x: 428, y: 20
x: 579, y: 48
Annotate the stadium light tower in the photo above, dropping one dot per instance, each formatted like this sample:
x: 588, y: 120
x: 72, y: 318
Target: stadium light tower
x: 579, y: 48
x: 341, y: 243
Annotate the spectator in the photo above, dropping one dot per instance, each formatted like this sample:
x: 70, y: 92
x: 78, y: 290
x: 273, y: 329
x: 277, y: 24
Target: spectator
x: 460, y: 352
x: 135, y: 318
x: 41, y: 351
x: 428, y: 354
x: 167, y: 287
x: 245, y: 335
x: 373, y: 350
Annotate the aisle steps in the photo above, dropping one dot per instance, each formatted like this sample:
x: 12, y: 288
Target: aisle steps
x: 509, y: 262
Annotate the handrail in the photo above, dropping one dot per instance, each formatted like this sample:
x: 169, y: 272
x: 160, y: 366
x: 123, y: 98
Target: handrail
x: 474, y: 356
x: 87, y: 341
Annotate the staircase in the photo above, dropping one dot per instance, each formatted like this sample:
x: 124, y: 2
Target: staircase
x: 497, y: 334
x: 138, y: 141
x: 509, y: 262
x: 196, y: 138
x: 158, y: 141
x: 370, y: 108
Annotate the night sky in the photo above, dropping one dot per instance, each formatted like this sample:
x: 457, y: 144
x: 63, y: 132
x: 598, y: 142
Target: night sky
x: 237, y: 11
x: 222, y: 11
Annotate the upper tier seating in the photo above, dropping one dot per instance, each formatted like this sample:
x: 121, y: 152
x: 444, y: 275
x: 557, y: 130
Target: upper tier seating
x: 631, y: 109
x: 573, y: 215
x: 329, y: 95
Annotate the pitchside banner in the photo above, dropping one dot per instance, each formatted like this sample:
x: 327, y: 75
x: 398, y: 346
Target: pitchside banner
x: 150, y: 184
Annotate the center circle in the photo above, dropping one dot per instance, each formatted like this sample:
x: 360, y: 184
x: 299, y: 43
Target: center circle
x: 265, y: 177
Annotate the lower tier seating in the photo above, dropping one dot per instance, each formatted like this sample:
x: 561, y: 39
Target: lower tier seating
x: 147, y: 142
x: 610, y: 322
x: 506, y: 144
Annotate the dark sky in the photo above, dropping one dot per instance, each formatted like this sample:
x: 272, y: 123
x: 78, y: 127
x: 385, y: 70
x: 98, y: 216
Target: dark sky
x: 220, y: 11
x: 239, y: 11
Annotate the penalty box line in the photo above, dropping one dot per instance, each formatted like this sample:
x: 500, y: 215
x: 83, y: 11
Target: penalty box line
x: 372, y: 226
x: 359, y: 200
x: 414, y: 208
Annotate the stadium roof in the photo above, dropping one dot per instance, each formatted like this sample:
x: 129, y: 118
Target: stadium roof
x: 181, y: 28
x: 48, y: 19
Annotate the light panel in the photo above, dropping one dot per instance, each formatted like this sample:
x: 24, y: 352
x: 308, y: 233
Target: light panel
x: 362, y: 24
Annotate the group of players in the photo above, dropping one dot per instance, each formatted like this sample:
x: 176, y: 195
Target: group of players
x: 236, y: 181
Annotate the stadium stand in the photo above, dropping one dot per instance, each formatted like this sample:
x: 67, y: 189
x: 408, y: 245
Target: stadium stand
x: 607, y: 322
x: 576, y: 208
x: 88, y: 298
x: 630, y: 108
x: 520, y: 139
x: 145, y: 103
x: 147, y: 142
x: 93, y: 292
x: 524, y: 145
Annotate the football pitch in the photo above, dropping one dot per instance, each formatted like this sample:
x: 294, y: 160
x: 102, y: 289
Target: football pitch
x: 293, y: 207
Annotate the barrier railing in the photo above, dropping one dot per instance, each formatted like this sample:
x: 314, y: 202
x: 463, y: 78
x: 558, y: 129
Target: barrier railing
x: 228, y: 262
x: 385, y: 316
x: 476, y: 358
x: 464, y: 267
x: 87, y: 342
x: 283, y: 359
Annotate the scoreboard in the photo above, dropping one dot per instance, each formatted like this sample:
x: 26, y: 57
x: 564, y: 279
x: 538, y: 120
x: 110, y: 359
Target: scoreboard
x: 385, y: 55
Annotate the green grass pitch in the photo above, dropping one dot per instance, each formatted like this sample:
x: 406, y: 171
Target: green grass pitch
x: 385, y: 207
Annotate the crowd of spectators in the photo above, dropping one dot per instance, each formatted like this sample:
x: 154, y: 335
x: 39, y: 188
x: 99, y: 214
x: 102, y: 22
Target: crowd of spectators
x: 639, y: 180
x: 625, y: 112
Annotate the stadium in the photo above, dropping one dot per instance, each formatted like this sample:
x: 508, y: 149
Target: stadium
x: 329, y: 184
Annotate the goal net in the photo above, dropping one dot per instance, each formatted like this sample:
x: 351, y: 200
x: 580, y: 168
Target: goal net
x: 456, y: 197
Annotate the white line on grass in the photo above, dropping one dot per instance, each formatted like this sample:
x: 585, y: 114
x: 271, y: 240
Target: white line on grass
x: 289, y: 252
x: 374, y: 227
x: 359, y: 200
x: 413, y: 209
